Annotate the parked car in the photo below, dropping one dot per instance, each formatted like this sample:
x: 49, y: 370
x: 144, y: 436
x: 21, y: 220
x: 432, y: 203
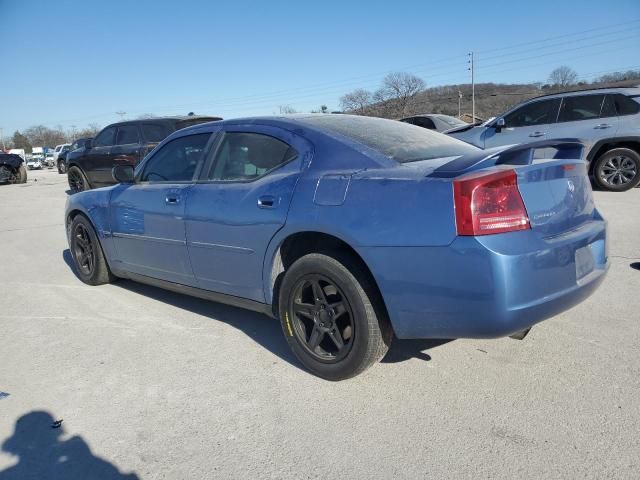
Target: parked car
x: 59, y: 149
x: 12, y: 168
x: 122, y: 143
x: 297, y: 217
x: 436, y: 121
x: 607, y: 120
x: 76, y: 145
x: 35, y: 163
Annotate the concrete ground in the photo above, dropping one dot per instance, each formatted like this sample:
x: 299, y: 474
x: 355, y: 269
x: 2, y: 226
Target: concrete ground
x: 164, y: 386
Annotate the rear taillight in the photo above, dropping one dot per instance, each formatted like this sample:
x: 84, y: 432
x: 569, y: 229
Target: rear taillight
x: 489, y: 203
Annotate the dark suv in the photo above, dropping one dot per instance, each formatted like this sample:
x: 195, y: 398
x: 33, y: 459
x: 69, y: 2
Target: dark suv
x: 121, y: 143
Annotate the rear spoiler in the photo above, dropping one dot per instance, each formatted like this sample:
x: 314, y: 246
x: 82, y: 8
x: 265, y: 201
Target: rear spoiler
x: 521, y: 154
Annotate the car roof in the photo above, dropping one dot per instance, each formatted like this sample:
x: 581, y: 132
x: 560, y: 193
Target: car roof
x: 170, y: 119
x: 601, y: 90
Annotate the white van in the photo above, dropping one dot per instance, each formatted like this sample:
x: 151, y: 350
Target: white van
x: 57, y: 150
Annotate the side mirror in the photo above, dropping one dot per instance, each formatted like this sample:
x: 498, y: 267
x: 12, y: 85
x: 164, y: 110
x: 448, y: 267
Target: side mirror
x: 123, y: 174
x: 500, y: 125
x: 88, y: 144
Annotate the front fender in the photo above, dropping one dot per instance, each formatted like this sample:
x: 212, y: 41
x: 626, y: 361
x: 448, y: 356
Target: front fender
x: 94, y: 204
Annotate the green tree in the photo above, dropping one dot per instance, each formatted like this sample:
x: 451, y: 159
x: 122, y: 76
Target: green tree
x: 20, y: 141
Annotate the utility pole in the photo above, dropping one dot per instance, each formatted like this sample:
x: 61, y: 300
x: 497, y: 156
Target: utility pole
x: 121, y: 113
x: 459, y: 104
x: 473, y: 88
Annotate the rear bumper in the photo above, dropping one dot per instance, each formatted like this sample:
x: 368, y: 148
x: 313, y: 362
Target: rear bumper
x: 487, y: 287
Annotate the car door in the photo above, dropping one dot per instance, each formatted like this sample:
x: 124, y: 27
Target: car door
x: 240, y: 202
x: 528, y: 123
x: 587, y: 117
x: 147, y: 217
x: 97, y: 156
x: 127, y: 148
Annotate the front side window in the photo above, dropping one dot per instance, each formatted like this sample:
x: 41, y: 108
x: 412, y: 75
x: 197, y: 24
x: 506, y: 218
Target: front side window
x: 247, y: 156
x: 536, y: 113
x: 177, y: 160
x: 127, y: 134
x: 105, y: 138
x: 583, y: 107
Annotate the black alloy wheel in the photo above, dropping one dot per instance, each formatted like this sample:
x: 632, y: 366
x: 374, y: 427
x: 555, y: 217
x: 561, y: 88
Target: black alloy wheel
x: 76, y: 180
x: 322, y: 318
x: 84, y: 250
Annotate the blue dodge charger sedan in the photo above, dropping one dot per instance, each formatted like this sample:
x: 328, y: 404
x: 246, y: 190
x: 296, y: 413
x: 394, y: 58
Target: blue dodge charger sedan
x: 350, y: 230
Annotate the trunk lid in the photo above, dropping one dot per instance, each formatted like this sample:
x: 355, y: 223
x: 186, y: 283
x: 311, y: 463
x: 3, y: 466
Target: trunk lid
x: 552, y: 179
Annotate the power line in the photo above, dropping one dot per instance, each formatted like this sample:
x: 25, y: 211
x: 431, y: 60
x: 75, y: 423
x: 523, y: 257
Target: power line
x: 566, y: 35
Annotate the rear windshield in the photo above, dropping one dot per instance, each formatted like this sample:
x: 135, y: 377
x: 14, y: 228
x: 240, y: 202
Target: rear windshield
x: 397, y: 140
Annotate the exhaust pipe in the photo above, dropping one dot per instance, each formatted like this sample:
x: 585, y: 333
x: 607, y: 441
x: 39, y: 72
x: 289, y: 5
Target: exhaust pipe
x: 521, y: 334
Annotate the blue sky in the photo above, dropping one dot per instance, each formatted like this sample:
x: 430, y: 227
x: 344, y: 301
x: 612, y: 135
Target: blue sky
x: 78, y: 62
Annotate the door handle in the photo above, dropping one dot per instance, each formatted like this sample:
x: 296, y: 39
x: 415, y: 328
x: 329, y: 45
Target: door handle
x: 172, y: 199
x: 602, y: 126
x: 537, y: 134
x: 266, y: 201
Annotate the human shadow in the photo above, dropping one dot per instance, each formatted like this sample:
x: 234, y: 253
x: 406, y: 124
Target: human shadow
x: 43, y: 454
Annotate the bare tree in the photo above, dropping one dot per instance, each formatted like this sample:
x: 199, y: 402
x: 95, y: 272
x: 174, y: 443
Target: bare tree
x: 41, y: 136
x: 356, y: 101
x: 401, y: 87
x: 563, y: 77
x: 144, y: 116
x: 286, y: 109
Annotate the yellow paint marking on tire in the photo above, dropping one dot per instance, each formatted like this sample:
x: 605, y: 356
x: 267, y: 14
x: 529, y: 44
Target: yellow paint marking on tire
x: 286, y: 320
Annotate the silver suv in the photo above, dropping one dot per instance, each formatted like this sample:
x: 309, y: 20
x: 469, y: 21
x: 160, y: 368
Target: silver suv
x: 606, y: 120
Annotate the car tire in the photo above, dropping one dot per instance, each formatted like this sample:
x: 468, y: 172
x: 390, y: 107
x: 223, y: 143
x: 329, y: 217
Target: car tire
x: 62, y: 168
x: 330, y: 299
x: 21, y: 174
x: 77, y: 180
x: 617, y: 165
x: 86, y: 251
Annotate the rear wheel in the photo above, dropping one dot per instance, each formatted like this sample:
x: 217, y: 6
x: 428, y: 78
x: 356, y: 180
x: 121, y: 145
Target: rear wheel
x: 88, y: 257
x: 331, y: 315
x: 77, y: 181
x: 617, y: 170
x: 62, y: 168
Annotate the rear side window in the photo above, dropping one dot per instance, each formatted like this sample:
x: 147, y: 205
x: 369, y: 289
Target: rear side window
x: 625, y: 105
x: 127, y: 134
x: 584, y: 107
x: 177, y: 160
x: 247, y: 156
x: 105, y: 138
x: 424, y: 122
x: 535, y: 113
x: 399, y: 141
x: 154, y: 133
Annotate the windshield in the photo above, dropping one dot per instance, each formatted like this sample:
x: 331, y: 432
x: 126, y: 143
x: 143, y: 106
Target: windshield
x: 397, y: 140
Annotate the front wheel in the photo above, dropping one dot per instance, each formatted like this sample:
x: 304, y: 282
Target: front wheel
x: 21, y: 175
x: 617, y: 170
x: 332, y: 316
x: 88, y: 257
x: 62, y: 168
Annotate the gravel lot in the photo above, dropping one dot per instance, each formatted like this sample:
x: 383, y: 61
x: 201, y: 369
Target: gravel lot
x: 166, y: 386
